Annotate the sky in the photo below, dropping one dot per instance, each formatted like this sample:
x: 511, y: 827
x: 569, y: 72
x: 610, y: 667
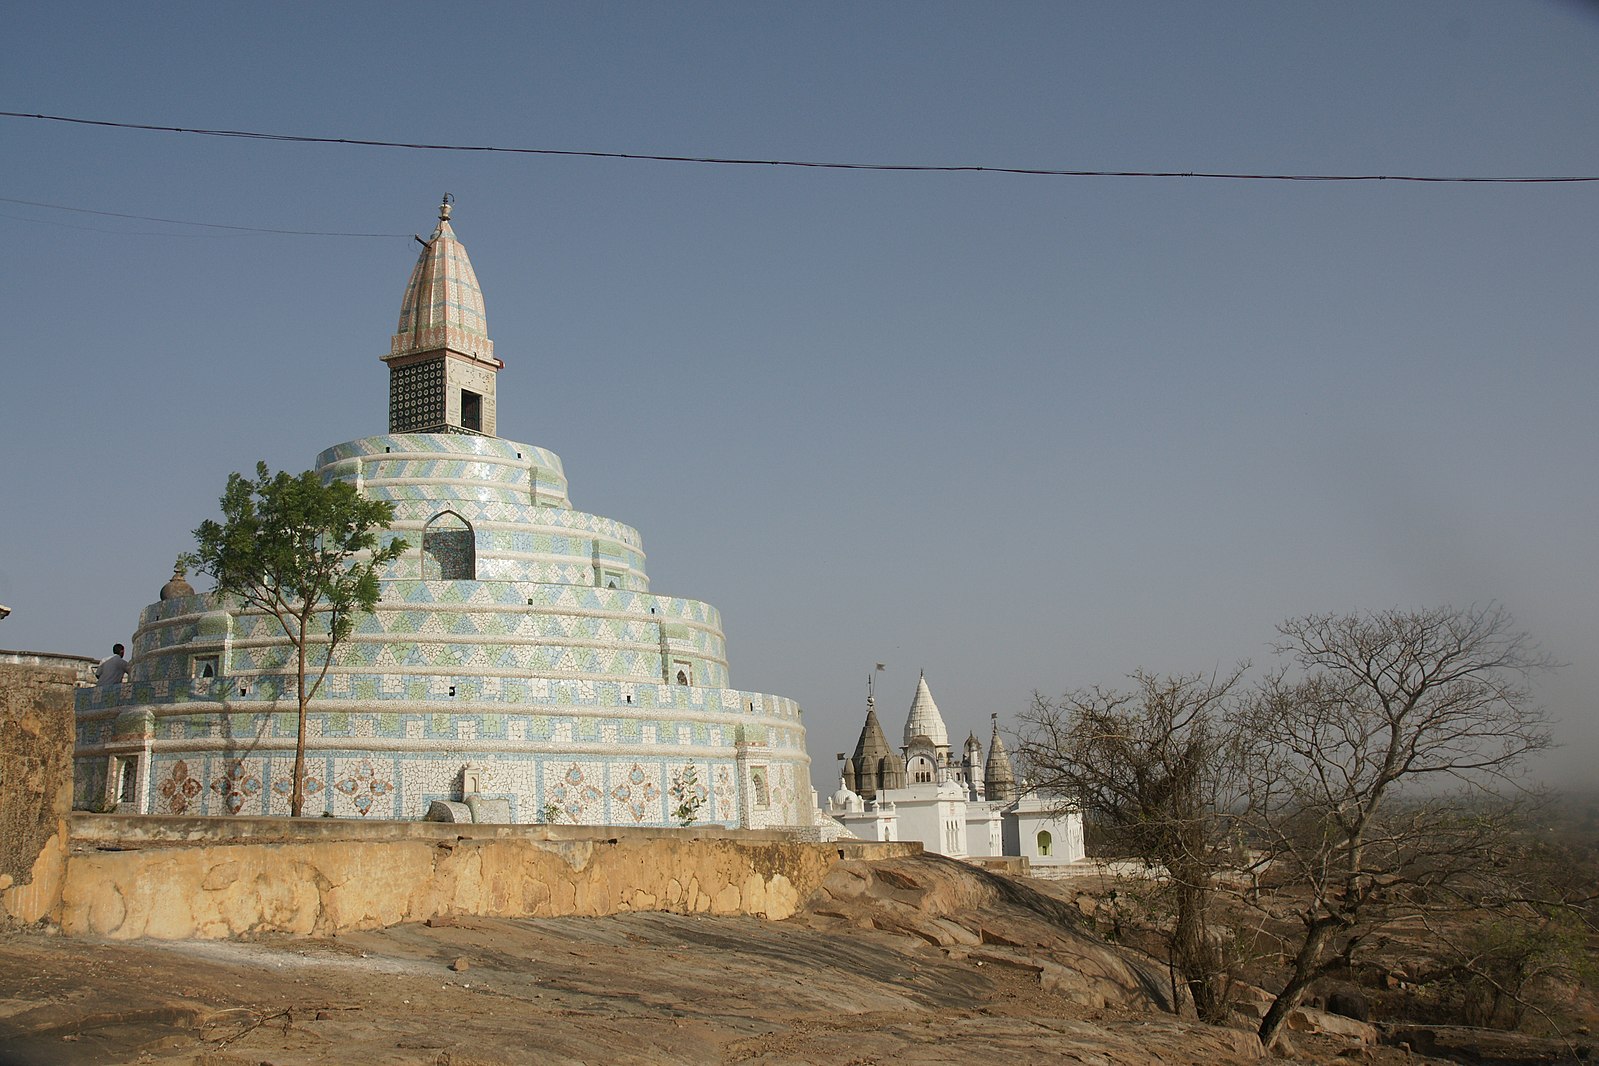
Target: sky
x: 1028, y: 433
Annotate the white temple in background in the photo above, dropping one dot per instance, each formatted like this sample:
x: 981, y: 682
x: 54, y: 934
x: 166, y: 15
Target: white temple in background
x: 970, y: 807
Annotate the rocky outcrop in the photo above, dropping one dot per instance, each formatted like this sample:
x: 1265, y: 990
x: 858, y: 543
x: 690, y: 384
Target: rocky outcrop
x: 1488, y: 1047
x: 987, y: 920
x: 35, y: 787
x: 641, y: 989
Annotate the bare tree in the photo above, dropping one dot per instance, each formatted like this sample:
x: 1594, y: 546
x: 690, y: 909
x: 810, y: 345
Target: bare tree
x: 1154, y: 768
x: 1371, y: 771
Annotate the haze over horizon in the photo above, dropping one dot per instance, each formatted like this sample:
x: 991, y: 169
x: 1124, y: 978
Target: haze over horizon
x: 1025, y: 432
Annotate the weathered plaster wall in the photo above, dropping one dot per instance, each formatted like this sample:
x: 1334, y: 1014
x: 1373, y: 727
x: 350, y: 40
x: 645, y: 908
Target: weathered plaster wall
x: 36, y: 731
x: 182, y: 878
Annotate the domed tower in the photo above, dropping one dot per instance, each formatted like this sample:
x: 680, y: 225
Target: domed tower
x: 441, y: 361
x: 1000, y: 778
x: 516, y: 657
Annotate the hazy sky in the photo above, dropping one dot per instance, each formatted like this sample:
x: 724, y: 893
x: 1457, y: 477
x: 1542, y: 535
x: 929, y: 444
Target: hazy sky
x: 1025, y: 432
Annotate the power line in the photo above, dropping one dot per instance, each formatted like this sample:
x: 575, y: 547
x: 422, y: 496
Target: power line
x: 810, y: 164
x: 207, y: 225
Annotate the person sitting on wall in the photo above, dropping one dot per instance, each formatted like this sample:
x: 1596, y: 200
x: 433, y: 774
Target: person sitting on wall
x: 113, y: 671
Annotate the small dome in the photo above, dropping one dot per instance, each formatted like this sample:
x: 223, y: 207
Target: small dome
x: 845, y: 800
x: 178, y: 586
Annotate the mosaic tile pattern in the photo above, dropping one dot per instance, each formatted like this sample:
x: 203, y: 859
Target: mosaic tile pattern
x: 353, y: 783
x: 560, y: 688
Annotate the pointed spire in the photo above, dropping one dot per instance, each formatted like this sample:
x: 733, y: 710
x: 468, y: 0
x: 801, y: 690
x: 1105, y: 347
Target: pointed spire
x: 999, y: 779
x: 924, y: 719
x: 443, y: 306
x: 876, y: 765
x: 873, y: 744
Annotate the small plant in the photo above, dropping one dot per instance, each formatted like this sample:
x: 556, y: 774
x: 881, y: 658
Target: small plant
x: 687, y: 794
x: 550, y: 813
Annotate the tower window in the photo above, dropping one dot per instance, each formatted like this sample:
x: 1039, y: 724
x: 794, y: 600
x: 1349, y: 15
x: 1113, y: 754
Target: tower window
x: 471, y: 410
x: 448, y: 551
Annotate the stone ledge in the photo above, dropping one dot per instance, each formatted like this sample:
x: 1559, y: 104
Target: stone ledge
x: 200, y: 878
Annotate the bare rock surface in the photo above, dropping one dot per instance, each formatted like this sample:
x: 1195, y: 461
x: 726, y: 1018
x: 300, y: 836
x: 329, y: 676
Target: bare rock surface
x: 987, y: 919
x: 908, y: 961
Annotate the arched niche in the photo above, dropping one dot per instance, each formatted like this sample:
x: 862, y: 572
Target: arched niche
x: 449, y: 552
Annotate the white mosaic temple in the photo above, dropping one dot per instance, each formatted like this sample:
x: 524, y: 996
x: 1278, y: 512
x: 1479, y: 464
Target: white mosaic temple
x: 970, y: 807
x: 518, y: 667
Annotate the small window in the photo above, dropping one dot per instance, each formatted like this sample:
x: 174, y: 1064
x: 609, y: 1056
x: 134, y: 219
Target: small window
x: 471, y: 410
x: 685, y: 671
x: 1044, y: 841
x: 763, y: 796
x: 127, y: 787
x: 201, y: 666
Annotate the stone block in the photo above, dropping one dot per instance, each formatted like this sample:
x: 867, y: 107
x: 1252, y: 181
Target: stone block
x: 447, y: 811
x: 488, y: 810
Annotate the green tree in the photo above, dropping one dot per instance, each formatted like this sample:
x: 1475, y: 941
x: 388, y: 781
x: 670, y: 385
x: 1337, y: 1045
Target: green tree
x: 306, y: 553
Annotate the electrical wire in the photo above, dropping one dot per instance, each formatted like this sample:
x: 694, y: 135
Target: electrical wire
x: 207, y: 225
x: 810, y: 164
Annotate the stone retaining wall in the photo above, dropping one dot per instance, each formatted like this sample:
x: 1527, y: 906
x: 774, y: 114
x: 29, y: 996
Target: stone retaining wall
x: 177, y: 878
x: 35, y: 783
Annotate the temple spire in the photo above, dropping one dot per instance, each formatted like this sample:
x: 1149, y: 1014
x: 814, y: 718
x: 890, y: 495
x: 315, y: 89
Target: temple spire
x: 999, y: 778
x: 924, y: 719
x: 875, y: 766
x: 441, y: 361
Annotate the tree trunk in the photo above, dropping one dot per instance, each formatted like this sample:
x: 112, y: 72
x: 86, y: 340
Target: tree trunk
x: 297, y: 800
x: 1194, y: 951
x: 1306, y: 965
